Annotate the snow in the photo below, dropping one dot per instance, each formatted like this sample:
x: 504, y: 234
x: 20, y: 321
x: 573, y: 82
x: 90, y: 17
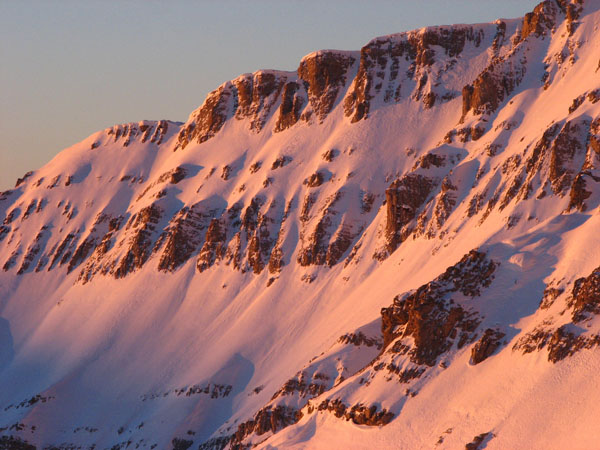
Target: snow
x: 98, y: 348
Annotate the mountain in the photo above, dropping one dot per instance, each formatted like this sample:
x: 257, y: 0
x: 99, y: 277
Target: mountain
x: 390, y: 248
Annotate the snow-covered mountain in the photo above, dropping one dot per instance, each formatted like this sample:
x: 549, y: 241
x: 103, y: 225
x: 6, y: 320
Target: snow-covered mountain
x: 391, y: 248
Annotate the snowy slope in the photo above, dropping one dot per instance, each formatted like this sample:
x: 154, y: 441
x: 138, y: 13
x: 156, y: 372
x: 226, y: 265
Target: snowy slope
x: 391, y: 248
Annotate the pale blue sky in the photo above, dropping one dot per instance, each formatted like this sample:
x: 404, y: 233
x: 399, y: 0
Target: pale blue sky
x: 69, y: 68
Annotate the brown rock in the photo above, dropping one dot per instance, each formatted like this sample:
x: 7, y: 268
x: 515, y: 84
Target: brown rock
x: 403, y: 199
x: 214, y: 245
x: 325, y: 72
x: 541, y: 19
x: 585, y: 296
x: 478, y: 440
x: 430, y: 318
x: 486, y: 345
x: 292, y: 102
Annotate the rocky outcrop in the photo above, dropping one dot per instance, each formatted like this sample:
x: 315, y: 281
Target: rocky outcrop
x: 486, y: 345
x: 359, y: 339
x: 479, y: 440
x: 550, y: 295
x: 325, y: 74
x: 143, y: 225
x: 431, y: 318
x: 403, y: 198
x: 293, y: 99
x: 24, y: 178
x: 491, y: 88
x: 63, y: 251
x: 33, y: 250
x: 142, y: 132
x: 498, y: 80
x: 214, y: 247
x: 569, y: 143
x: 303, y: 387
x: 418, y: 47
x: 585, y: 296
x: 341, y: 242
x: 359, y: 413
x: 256, y: 95
x: 181, y: 444
x: 579, y: 193
x: 440, y: 209
x: 321, y: 78
x: 569, y: 338
x: 183, y: 236
x: 330, y: 238
x: 561, y: 342
x: 206, y: 121
x: 281, y: 161
x: 316, y: 179
x: 541, y: 20
x: 15, y: 443
x: 262, y: 231
x: 173, y: 176
x: 268, y: 419
x: 558, y: 161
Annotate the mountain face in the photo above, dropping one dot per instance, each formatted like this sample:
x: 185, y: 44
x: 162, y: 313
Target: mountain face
x: 391, y: 248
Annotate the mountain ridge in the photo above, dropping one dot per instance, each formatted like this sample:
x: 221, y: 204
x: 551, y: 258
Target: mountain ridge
x: 418, y: 214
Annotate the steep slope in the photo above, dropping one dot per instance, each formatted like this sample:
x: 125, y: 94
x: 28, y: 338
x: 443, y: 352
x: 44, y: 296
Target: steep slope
x: 394, y: 247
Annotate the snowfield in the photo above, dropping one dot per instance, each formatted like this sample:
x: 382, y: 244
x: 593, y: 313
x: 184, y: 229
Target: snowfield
x: 391, y: 248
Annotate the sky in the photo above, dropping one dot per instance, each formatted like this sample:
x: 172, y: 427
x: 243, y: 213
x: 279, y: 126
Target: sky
x: 69, y: 68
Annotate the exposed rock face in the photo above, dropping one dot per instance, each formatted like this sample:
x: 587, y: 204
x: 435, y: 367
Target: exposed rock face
x: 103, y: 242
x: 181, y: 444
x: 403, y: 198
x: 561, y: 342
x: 183, y: 236
x: 558, y: 162
x: 82, y: 252
x: 486, y: 345
x: 63, y: 252
x: 266, y: 420
x: 143, y: 225
x: 262, y: 231
x: 585, y: 297
x: 569, y: 338
x: 359, y: 414
x: 256, y: 94
x: 569, y: 142
x: 281, y: 161
x: 330, y: 238
x: 501, y: 77
x: 176, y: 175
x: 431, y: 318
x: 303, y: 387
x: 33, y: 250
x: 209, y: 118
x: 325, y: 73
x: 359, y: 339
x: 315, y: 180
x: 491, y: 87
x: 293, y: 99
x: 419, y: 48
x: 540, y: 20
x: 579, y: 193
x: 214, y: 247
x: 15, y: 443
x: 478, y: 441
x: 439, y: 209
x: 250, y: 226
x: 550, y: 295
x: 144, y: 131
x: 22, y: 180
